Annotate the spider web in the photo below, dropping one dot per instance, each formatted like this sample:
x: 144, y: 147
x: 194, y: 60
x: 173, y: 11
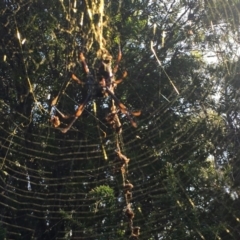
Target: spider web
x: 183, y: 155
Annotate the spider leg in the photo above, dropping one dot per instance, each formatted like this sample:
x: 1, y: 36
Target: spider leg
x: 131, y: 119
x: 62, y: 115
x: 84, y: 64
x: 81, y: 106
x: 64, y: 130
x: 78, y: 113
x: 116, y: 82
x: 118, y: 60
x: 122, y: 107
x: 55, y: 121
x: 74, y: 77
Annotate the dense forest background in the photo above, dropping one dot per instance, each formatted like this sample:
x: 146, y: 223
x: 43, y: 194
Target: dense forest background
x: 182, y: 59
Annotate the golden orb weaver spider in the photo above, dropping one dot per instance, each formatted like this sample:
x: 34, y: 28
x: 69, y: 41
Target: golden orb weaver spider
x: 104, y: 86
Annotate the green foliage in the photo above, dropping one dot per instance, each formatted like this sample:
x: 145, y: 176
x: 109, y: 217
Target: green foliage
x: 2, y: 233
x: 184, y: 155
x: 103, y: 198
